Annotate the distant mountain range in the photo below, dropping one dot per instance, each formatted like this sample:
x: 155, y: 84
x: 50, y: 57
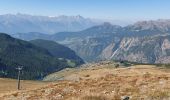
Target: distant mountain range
x: 24, y: 23
x: 144, y: 42
x: 27, y: 23
x: 38, y: 57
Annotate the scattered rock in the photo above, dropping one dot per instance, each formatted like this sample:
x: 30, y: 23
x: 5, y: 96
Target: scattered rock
x: 126, y: 98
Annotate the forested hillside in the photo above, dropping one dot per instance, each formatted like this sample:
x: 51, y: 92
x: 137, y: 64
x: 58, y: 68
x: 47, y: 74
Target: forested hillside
x: 36, y: 61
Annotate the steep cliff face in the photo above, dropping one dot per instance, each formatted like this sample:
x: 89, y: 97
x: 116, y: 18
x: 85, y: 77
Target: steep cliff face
x: 153, y: 49
x: 143, y: 42
x: 89, y: 48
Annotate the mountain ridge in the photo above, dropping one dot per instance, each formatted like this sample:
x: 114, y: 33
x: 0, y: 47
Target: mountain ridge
x: 24, y: 23
x: 103, y: 41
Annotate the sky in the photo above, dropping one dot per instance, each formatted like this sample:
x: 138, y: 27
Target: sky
x: 101, y: 9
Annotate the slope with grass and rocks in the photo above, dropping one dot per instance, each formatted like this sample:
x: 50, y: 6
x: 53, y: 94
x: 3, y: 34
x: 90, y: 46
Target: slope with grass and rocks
x: 102, y: 81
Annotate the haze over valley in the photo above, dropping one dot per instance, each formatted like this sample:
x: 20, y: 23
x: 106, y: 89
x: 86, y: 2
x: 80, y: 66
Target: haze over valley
x: 142, y: 42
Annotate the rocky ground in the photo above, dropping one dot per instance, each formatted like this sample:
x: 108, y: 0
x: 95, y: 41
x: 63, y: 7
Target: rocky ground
x: 104, y: 82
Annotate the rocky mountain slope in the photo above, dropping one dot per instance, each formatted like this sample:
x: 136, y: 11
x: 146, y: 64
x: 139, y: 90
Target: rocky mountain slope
x: 154, y: 49
x: 137, y: 82
x: 143, y: 41
x: 36, y: 61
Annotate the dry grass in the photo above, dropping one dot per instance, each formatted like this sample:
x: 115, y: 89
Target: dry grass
x: 10, y: 85
x: 159, y: 94
x: 142, y: 82
x: 92, y: 97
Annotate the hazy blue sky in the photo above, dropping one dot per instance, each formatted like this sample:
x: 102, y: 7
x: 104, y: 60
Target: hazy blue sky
x: 113, y: 9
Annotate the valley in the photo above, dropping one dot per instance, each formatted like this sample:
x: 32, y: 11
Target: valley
x: 143, y: 42
x: 84, y: 50
x: 104, y: 62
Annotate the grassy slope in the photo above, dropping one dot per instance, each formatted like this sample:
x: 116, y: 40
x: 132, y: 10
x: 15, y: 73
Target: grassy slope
x: 10, y: 85
x: 104, y: 82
